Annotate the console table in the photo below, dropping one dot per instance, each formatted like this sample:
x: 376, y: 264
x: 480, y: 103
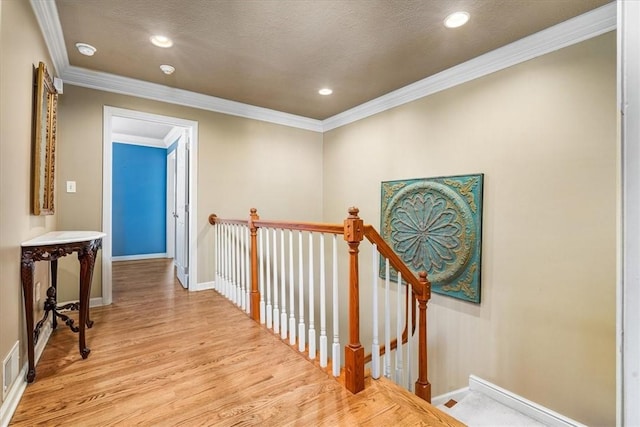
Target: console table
x: 50, y: 247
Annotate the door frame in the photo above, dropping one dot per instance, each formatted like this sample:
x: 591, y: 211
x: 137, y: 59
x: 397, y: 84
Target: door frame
x: 107, y: 175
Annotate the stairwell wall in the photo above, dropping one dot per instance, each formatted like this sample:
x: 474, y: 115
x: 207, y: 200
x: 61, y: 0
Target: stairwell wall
x: 544, y: 134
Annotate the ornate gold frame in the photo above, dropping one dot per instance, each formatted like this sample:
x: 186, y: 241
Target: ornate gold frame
x: 44, y: 142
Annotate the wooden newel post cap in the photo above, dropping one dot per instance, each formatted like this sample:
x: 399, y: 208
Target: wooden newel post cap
x: 353, y: 226
x: 427, y: 285
x: 212, y: 219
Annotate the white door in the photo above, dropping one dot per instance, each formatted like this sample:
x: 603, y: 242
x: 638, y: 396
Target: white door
x: 182, y: 210
x: 171, y: 205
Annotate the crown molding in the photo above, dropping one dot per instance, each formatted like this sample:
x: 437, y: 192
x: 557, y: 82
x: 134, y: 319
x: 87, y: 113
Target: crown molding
x: 47, y: 16
x: 111, y: 83
x: 572, y: 31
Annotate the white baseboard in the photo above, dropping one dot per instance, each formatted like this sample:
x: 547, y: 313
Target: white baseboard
x: 456, y: 395
x: 204, y: 285
x: 520, y: 404
x: 18, y: 387
x: 138, y: 257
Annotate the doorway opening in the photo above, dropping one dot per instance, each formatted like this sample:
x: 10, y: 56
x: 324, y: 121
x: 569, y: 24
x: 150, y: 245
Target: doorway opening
x: 127, y: 134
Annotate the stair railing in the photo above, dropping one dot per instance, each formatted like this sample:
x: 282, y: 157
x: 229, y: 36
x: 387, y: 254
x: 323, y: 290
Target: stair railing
x: 252, y: 256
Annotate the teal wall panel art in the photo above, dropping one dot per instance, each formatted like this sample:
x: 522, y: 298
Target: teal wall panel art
x: 435, y: 225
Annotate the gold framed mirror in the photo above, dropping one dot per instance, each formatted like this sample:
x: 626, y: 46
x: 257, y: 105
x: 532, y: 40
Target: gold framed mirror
x: 44, y: 142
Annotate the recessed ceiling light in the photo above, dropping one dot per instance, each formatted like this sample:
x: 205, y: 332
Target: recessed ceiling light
x: 325, y: 91
x: 167, y: 69
x: 456, y: 19
x: 161, y: 41
x: 85, y: 49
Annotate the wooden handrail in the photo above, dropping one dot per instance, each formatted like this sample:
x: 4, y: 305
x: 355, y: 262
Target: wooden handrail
x: 302, y: 226
x: 385, y: 250
x: 213, y: 220
x: 354, y: 231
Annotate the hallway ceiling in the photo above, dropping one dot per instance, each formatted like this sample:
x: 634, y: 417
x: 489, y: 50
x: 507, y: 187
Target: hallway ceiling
x: 277, y: 54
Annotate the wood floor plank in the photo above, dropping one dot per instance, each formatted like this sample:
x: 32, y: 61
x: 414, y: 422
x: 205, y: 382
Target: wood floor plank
x: 163, y: 356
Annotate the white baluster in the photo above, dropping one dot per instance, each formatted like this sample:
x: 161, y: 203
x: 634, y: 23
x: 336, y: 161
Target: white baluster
x: 276, y: 309
x: 283, y: 293
x: 292, y: 316
x: 323, y: 308
x: 409, y: 338
x: 216, y: 233
x: 231, y: 264
x: 335, y: 355
x: 227, y: 261
x: 375, y: 347
x: 399, y: 331
x: 263, y: 317
x: 387, y: 324
x: 242, y: 302
x: 234, y: 257
x: 267, y: 261
x: 312, y: 327
x: 247, y: 264
x: 220, y: 258
x: 237, y: 300
x: 301, y: 327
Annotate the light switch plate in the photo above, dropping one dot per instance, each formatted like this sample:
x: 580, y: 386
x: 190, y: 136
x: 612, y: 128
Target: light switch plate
x: 71, y: 186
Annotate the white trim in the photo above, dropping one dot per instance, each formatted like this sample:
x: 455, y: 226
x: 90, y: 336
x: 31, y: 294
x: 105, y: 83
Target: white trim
x: 18, y: 387
x: 12, y: 400
x: 192, y: 129
x: 46, y: 14
x: 172, y: 136
x: 628, y: 290
x: 122, y: 138
x: 204, y: 286
x: 107, y: 166
x: 520, y: 404
x: 456, y: 395
x: 575, y: 30
x: 142, y: 89
x: 138, y: 257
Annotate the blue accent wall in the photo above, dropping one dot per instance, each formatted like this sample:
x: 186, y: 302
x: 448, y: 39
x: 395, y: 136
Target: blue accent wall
x: 139, y: 200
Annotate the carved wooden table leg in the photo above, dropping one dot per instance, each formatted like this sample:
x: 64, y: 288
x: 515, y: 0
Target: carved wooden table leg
x: 27, y: 288
x: 54, y: 285
x: 87, y: 258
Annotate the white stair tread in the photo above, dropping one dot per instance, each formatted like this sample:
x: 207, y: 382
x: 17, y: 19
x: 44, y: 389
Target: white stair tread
x: 476, y: 409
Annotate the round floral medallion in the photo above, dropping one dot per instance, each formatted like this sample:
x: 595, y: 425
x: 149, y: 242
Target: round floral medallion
x: 431, y: 229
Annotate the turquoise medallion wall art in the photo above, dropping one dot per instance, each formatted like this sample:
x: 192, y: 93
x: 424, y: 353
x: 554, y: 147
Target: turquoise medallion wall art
x: 435, y: 225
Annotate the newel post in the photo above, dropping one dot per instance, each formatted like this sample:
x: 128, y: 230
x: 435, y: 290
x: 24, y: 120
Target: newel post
x: 255, y: 293
x: 423, y: 387
x: 354, y: 352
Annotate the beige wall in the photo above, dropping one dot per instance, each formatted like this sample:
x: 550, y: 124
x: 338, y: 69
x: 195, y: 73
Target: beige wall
x: 544, y: 134
x: 242, y: 163
x: 22, y: 48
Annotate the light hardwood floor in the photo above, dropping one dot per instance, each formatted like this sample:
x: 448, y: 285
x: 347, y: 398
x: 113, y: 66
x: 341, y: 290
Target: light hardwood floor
x: 161, y: 355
